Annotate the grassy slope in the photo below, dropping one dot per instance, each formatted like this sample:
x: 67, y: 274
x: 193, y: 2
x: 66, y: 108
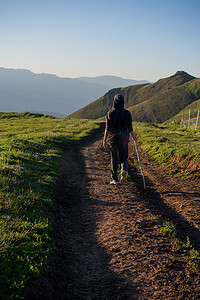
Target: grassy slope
x: 162, y: 107
x: 174, y: 147
x: 194, y: 107
x: 28, y: 169
x: 149, y: 102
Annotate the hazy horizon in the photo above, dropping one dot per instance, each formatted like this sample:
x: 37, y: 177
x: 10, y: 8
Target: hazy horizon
x: 103, y: 75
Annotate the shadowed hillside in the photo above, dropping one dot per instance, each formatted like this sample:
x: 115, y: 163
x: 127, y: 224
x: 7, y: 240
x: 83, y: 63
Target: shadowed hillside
x: 155, y: 102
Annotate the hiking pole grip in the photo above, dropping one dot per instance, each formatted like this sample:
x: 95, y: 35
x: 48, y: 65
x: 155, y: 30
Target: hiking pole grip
x: 140, y: 164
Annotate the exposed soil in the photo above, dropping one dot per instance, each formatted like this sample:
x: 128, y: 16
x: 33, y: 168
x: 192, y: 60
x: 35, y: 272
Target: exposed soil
x: 107, y: 245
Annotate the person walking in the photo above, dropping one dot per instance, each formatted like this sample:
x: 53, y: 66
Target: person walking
x: 116, y: 135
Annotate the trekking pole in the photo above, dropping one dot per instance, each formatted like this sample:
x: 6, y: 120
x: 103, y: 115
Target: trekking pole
x: 140, y: 164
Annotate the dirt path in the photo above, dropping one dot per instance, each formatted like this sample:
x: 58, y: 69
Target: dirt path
x: 170, y: 196
x: 106, y: 244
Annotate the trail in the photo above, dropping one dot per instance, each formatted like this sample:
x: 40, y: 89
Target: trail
x: 107, y: 246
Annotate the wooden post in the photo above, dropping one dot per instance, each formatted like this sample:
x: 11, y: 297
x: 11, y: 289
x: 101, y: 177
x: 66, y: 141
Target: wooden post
x: 182, y: 120
x: 197, y: 120
x: 189, y: 119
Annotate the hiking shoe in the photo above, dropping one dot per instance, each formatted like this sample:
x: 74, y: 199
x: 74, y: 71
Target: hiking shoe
x: 123, y: 177
x: 114, y: 182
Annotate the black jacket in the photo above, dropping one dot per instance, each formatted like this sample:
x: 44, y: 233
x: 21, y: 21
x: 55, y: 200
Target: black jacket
x: 118, y: 119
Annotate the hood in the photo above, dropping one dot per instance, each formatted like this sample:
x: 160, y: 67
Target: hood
x: 118, y: 101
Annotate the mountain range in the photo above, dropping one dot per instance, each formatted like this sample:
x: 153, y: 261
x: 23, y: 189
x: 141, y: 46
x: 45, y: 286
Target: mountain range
x: 150, y: 102
x: 22, y: 90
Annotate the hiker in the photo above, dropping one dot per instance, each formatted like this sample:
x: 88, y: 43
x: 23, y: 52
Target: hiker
x: 118, y: 128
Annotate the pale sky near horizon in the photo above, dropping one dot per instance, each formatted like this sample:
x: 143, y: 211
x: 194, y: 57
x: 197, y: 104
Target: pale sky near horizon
x: 143, y: 39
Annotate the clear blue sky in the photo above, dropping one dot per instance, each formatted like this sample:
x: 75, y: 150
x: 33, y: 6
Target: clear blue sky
x: 143, y: 39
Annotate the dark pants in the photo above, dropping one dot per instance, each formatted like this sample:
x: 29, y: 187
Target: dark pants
x: 119, y: 155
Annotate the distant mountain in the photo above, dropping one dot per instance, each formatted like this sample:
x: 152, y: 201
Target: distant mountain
x: 154, y: 103
x: 22, y: 90
x: 112, y: 81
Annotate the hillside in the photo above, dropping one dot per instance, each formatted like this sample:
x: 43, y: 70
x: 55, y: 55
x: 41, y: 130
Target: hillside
x: 23, y: 90
x: 162, y: 107
x: 155, y: 102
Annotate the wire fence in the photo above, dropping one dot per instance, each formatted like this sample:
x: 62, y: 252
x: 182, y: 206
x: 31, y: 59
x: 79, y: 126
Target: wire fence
x: 190, y: 122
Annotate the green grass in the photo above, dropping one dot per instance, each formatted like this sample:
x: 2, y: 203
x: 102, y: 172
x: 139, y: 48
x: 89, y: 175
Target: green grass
x: 29, y: 158
x: 168, y: 228
x: 193, y: 256
x: 174, y: 147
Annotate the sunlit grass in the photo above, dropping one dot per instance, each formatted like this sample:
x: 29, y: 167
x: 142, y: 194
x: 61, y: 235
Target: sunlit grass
x: 174, y: 147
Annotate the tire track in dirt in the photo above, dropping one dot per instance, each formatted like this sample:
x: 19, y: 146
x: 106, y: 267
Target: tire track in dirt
x: 106, y: 244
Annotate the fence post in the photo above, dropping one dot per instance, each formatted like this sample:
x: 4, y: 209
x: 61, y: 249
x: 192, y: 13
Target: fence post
x: 182, y: 120
x: 197, y: 120
x: 189, y: 119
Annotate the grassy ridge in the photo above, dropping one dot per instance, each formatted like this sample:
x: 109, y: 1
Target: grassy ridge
x: 28, y: 169
x: 174, y: 147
